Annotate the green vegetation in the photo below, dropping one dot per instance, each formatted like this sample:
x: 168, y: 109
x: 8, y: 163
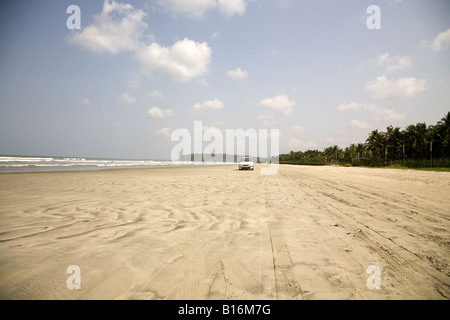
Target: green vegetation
x: 418, y: 146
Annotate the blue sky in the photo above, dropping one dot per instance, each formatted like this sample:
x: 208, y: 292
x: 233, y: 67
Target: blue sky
x: 137, y: 70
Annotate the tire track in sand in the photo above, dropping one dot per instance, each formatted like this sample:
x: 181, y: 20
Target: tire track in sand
x: 286, y: 284
x: 401, y: 262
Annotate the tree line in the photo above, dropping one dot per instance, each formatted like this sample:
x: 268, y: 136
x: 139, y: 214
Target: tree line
x: 417, y: 145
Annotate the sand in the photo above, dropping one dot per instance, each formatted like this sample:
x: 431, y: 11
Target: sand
x: 220, y: 233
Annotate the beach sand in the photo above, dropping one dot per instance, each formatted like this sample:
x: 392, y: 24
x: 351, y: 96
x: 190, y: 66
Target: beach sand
x: 219, y: 233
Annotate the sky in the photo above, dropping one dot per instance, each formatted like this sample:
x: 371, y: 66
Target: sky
x: 136, y: 71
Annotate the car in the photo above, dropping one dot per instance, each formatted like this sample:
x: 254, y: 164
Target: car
x: 246, y: 163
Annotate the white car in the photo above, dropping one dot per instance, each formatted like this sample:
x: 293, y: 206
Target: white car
x: 246, y: 163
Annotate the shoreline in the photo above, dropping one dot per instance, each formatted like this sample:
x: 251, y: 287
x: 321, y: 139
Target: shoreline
x: 96, y: 168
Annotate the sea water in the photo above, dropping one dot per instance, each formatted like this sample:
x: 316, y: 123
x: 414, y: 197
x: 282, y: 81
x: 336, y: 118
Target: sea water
x: 36, y: 164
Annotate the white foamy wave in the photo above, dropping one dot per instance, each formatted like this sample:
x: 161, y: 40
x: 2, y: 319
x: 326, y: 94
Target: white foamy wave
x: 20, y: 163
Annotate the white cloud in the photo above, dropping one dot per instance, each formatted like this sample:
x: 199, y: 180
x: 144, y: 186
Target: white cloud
x: 197, y: 8
x: 298, y: 129
x: 280, y: 103
x: 400, y: 64
x: 166, y: 132
x: 390, y: 114
x: 134, y: 82
x: 231, y: 7
x: 424, y: 44
x: 215, y: 35
x: 384, y: 113
x: 394, y: 63
x: 118, y: 27
x: 299, y: 144
x: 127, y: 99
x: 84, y: 101
x: 349, y: 106
x: 206, y: 127
x: 193, y: 8
x: 215, y: 104
x: 156, y: 112
x: 274, y: 52
x: 375, y: 112
x: 359, y: 124
x: 267, y: 120
x: 237, y: 74
x: 442, y: 41
x: 117, y: 124
x: 387, y: 62
x: 156, y: 94
x: 384, y: 58
x: 402, y: 88
x: 184, y: 61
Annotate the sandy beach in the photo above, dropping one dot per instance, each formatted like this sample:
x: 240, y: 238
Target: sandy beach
x: 220, y: 233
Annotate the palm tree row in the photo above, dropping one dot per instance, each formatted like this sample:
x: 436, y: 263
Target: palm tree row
x: 417, y: 142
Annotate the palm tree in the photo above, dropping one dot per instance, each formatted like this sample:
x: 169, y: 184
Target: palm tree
x: 361, y: 150
x: 394, y: 142
x: 430, y: 136
x: 376, y: 144
x: 417, y: 140
x: 333, y: 153
x: 443, y: 131
x: 350, y: 152
x: 445, y: 123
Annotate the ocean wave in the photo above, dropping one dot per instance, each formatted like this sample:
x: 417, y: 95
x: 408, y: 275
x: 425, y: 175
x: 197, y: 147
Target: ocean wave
x: 11, y: 163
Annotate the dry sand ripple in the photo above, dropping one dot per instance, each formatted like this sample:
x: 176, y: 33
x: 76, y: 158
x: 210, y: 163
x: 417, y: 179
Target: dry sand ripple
x: 220, y: 233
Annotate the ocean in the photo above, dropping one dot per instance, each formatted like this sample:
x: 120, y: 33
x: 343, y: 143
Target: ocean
x: 38, y: 164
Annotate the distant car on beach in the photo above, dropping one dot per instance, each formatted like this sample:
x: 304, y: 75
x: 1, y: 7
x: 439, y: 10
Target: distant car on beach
x: 246, y: 163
